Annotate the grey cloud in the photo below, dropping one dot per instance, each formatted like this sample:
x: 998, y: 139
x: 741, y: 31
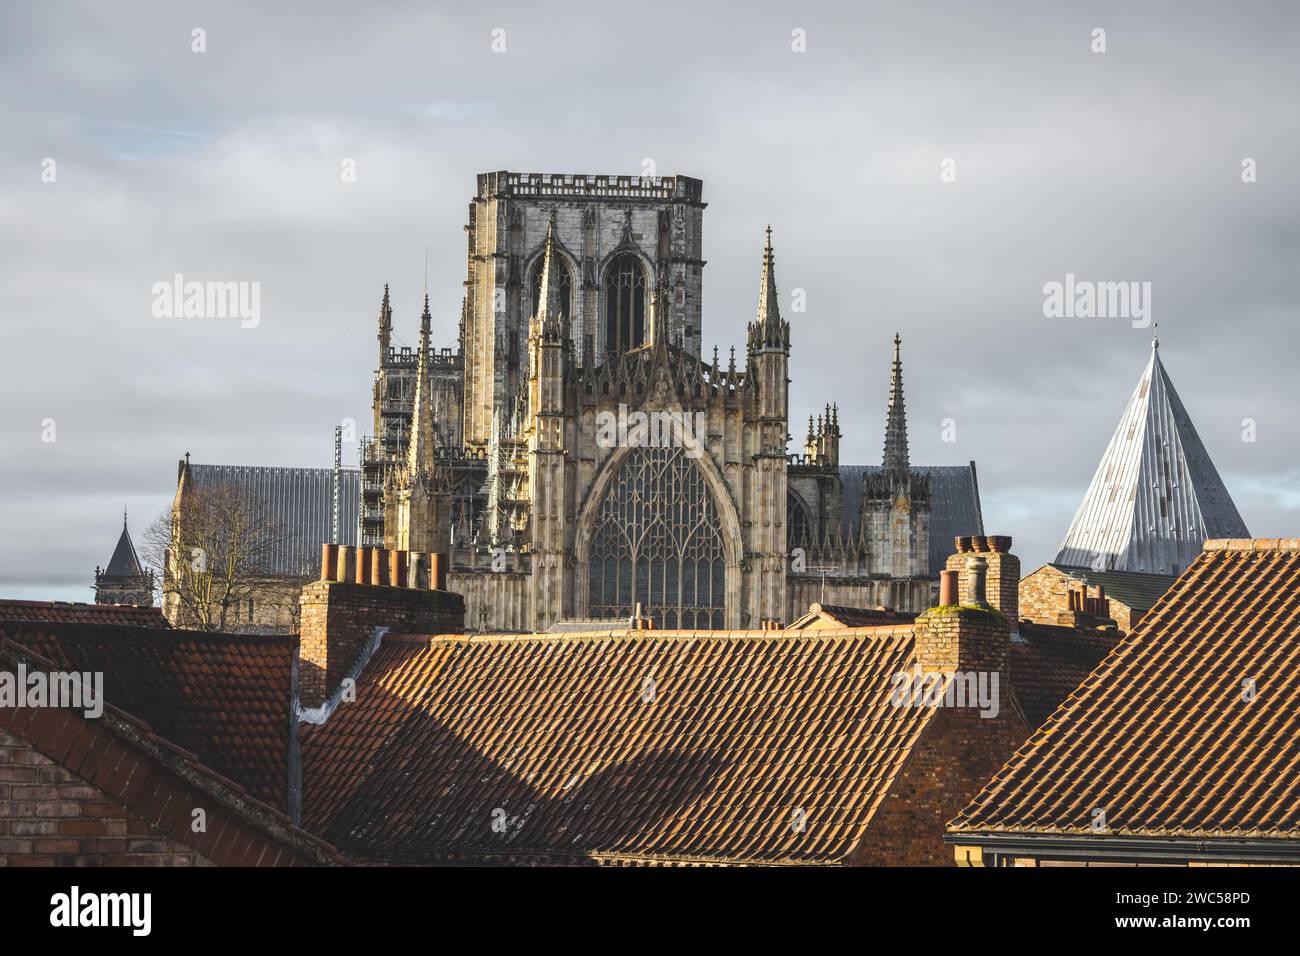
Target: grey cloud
x: 1116, y: 166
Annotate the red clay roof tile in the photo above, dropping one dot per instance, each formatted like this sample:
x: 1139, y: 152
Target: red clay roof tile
x: 561, y: 741
x: 226, y: 698
x: 72, y: 612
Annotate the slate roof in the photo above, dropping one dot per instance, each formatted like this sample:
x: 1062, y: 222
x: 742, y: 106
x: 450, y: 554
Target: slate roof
x: 71, y: 612
x: 227, y: 698
x: 954, y: 504
x: 1156, y: 495
x: 124, y: 563
x: 564, y: 741
x: 1164, y: 736
x: 1131, y: 588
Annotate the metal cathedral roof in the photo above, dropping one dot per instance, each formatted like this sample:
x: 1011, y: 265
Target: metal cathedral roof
x: 1156, y: 496
x: 301, y: 502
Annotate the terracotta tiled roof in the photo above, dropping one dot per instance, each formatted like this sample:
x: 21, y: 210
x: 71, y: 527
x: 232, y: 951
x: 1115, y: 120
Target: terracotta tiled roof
x: 653, y: 746
x: 842, y: 616
x: 159, y: 783
x: 226, y: 697
x: 87, y: 613
x: 1049, y: 662
x: 1162, y: 736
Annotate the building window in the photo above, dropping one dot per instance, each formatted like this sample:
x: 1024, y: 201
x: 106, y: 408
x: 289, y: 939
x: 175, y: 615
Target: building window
x: 625, y: 304
x: 798, y: 529
x: 566, y: 289
x: 658, y: 542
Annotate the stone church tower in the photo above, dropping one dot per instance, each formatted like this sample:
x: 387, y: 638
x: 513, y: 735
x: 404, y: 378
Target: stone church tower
x: 578, y: 458
x: 124, y: 580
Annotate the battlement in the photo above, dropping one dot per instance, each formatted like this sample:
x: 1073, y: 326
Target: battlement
x: 505, y: 184
x: 437, y: 358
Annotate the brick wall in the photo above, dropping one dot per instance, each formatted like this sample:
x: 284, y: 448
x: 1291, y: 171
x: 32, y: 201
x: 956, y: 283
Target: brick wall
x: 1043, y: 596
x: 51, y: 817
x: 959, y: 750
x: 338, y: 618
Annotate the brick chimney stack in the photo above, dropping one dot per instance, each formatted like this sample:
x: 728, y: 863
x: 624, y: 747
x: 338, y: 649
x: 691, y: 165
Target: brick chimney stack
x: 1001, y: 576
x: 361, y: 591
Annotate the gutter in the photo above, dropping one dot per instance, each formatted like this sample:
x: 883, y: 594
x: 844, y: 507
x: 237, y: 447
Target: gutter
x: 1166, y: 849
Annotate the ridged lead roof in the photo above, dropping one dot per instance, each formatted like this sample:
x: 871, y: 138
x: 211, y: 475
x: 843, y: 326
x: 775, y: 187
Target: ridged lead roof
x: 1156, y: 496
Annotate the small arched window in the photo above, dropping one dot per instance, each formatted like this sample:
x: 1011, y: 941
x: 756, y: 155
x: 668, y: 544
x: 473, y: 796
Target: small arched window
x: 625, y: 304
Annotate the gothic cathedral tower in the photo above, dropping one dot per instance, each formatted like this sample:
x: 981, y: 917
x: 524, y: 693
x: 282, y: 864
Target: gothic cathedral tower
x: 616, y: 241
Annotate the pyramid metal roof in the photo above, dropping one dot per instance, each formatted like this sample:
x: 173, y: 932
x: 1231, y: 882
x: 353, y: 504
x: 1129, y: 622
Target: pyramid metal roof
x: 1156, y: 496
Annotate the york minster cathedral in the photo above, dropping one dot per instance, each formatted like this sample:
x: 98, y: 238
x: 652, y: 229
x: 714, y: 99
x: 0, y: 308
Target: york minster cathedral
x: 583, y: 307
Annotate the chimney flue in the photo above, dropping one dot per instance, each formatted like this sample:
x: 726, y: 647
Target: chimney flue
x: 948, y: 588
x: 977, y: 578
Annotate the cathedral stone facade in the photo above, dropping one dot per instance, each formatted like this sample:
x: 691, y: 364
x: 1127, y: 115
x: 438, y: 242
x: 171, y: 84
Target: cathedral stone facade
x: 578, y: 456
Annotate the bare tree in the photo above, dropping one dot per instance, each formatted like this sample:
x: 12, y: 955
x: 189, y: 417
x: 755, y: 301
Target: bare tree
x: 213, y: 556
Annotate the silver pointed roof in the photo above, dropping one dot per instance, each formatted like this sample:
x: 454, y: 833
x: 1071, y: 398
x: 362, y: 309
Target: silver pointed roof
x: 1156, y: 496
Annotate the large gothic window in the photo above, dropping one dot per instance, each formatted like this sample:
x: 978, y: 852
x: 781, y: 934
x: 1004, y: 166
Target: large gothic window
x: 566, y: 289
x: 625, y: 304
x: 658, y: 541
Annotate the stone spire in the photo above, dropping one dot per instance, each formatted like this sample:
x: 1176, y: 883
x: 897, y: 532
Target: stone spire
x: 549, y: 312
x: 419, y: 449
x: 385, y: 325
x: 769, y: 330
x: 895, y: 460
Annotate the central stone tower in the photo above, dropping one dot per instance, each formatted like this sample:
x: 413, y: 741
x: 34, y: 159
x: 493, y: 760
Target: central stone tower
x: 621, y: 243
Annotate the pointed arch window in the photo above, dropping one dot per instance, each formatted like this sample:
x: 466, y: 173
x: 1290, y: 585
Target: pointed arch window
x: 625, y: 304
x: 798, y: 529
x: 566, y: 288
x: 657, y: 541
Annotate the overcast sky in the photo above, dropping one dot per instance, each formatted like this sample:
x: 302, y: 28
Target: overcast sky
x: 225, y: 165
